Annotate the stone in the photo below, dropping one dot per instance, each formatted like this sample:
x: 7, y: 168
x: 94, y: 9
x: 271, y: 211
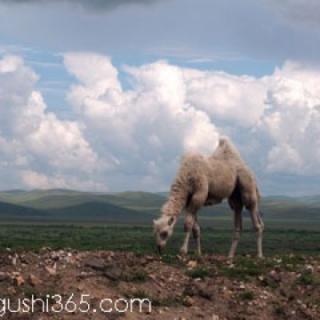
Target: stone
x: 19, y: 281
x: 4, y: 276
x: 33, y: 280
x: 51, y: 270
x: 188, y: 301
x: 192, y: 264
x: 96, y: 264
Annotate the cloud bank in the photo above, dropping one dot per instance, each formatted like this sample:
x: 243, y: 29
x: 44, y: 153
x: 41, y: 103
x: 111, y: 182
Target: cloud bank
x: 91, y: 4
x: 133, y: 138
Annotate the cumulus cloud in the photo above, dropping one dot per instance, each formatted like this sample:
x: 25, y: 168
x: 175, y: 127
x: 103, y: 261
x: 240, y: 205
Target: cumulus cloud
x: 170, y: 110
x: 236, y: 99
x: 145, y: 129
x: 31, y: 137
x: 133, y: 138
x: 293, y: 119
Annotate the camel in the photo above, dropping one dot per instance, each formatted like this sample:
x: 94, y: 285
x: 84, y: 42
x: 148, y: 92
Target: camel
x: 208, y: 180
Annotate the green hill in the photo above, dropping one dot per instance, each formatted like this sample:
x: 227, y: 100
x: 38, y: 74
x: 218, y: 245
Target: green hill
x: 131, y: 207
x: 99, y: 211
x: 58, y: 199
x: 12, y: 211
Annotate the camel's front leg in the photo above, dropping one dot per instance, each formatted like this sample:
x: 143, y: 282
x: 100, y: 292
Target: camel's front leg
x: 188, y: 225
x: 197, y: 201
x: 196, y: 234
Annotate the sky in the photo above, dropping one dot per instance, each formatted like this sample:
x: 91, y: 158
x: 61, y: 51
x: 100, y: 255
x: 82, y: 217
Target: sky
x: 107, y: 95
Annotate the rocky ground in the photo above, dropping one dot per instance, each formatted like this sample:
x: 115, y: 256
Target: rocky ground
x: 286, y: 287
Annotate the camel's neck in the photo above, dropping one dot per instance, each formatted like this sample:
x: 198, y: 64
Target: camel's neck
x: 176, y: 201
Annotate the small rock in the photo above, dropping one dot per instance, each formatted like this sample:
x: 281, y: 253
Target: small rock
x: 18, y: 281
x: 188, y: 301
x: 113, y: 273
x: 309, y: 268
x: 81, y: 287
x: 242, y: 286
x: 96, y: 264
x: 12, y: 291
x: 33, y: 280
x: 275, y: 275
x: 3, y: 276
x: 192, y: 264
x: 51, y: 270
x: 14, y: 260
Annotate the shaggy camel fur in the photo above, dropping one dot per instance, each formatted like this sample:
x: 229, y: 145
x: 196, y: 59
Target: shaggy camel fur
x: 203, y: 181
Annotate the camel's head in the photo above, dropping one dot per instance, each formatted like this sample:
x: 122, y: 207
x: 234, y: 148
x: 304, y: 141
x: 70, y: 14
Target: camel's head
x: 163, y: 229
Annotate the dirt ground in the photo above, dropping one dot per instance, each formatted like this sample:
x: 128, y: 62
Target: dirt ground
x: 107, y: 282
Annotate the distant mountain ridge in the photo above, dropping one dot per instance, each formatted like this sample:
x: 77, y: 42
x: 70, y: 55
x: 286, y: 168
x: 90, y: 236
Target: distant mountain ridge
x: 131, y: 207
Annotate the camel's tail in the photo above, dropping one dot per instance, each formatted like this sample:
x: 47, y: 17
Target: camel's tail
x: 258, y: 193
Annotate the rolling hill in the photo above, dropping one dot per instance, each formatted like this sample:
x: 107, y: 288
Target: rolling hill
x: 9, y: 210
x: 133, y: 207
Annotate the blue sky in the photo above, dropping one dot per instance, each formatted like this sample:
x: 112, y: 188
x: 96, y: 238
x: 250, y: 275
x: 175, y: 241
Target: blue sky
x: 223, y: 58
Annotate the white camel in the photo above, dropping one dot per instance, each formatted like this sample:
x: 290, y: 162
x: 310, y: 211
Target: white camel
x: 203, y: 181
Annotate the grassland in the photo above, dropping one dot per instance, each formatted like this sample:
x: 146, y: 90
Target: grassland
x: 123, y: 221
x: 139, y: 239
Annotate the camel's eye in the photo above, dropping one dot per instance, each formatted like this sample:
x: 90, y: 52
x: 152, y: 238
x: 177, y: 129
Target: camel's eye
x: 163, y: 235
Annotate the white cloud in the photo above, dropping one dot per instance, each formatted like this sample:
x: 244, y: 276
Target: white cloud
x: 236, y: 99
x: 293, y: 120
x: 30, y: 136
x: 133, y: 138
x: 33, y: 179
x: 143, y: 129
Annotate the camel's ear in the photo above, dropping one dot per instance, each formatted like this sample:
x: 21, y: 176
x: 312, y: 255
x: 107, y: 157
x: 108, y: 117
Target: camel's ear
x: 171, y: 220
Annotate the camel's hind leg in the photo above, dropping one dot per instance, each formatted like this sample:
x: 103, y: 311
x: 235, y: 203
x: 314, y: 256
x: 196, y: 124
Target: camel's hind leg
x: 258, y: 226
x: 196, y: 231
x: 237, y: 207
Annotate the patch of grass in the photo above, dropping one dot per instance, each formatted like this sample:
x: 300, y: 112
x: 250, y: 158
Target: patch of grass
x: 308, y: 278
x: 246, y: 296
x: 279, y: 311
x: 171, y: 259
x: 199, y: 272
x: 29, y: 292
x: 139, y: 239
x: 242, y: 269
x: 167, y: 302
x: 137, y: 276
x: 139, y: 294
x: 269, y: 282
